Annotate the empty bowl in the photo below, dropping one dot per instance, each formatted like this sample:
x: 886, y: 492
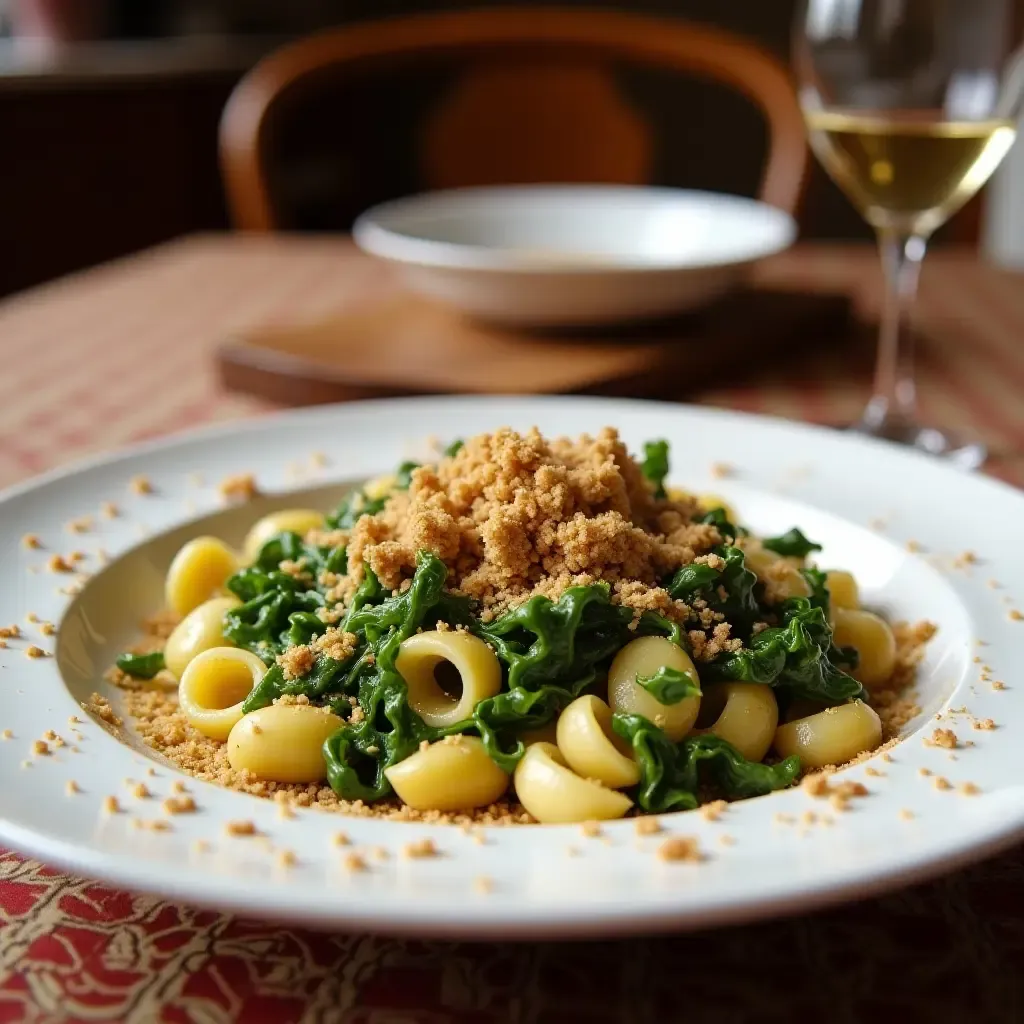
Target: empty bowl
x: 573, y: 255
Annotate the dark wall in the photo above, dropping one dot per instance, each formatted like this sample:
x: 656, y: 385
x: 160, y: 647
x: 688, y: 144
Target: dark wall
x: 95, y: 169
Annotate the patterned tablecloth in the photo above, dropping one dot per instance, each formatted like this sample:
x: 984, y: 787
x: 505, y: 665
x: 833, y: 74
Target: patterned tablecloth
x: 123, y: 352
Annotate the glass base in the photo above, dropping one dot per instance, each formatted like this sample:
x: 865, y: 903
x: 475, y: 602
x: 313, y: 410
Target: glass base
x: 963, y: 453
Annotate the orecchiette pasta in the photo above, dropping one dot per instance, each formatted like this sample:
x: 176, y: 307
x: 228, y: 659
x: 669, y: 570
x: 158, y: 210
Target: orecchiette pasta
x: 784, y: 573
x: 745, y: 714
x: 453, y: 774
x: 198, y: 571
x: 842, y: 589
x: 292, y: 520
x: 476, y: 663
x: 643, y: 657
x: 833, y: 736
x: 282, y: 742
x: 553, y: 793
x: 213, y: 687
x: 200, y: 630
x: 592, y: 750
x: 873, y: 640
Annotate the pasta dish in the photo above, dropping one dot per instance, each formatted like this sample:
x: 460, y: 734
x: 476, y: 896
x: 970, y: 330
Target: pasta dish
x: 524, y: 630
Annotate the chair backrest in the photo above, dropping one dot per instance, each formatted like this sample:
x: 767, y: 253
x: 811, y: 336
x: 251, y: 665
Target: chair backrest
x: 536, y: 101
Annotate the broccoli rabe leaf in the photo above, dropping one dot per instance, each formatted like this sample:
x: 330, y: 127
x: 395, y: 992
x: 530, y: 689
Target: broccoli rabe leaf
x: 727, y: 588
x: 792, y: 544
x: 655, y: 465
x: 354, y: 506
x: 670, y: 773
x: 793, y: 657
x: 669, y: 685
x: 141, y: 666
x: 403, y: 477
x: 717, y: 517
x: 454, y: 448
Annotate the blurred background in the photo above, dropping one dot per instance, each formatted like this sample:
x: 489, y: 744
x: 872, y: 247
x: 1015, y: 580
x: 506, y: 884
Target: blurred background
x: 126, y: 96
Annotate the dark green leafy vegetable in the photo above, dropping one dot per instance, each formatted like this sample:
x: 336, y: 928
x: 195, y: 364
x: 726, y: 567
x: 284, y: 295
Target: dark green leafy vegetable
x: 404, y: 475
x: 792, y: 544
x: 717, y: 517
x: 454, y: 448
x: 141, y: 666
x: 352, y: 507
x: 670, y: 772
x: 655, y: 465
x: 669, y: 685
x: 728, y: 589
x: 793, y: 657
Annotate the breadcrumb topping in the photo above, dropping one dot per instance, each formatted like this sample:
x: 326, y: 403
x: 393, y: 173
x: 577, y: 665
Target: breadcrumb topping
x: 680, y: 848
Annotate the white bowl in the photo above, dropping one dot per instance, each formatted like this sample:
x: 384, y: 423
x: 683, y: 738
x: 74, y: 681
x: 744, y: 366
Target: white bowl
x: 573, y: 254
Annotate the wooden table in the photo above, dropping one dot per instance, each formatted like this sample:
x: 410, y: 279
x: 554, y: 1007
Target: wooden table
x: 123, y: 352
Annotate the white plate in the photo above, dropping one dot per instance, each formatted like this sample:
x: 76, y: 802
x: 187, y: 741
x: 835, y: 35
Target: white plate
x: 573, y: 254
x: 833, y: 485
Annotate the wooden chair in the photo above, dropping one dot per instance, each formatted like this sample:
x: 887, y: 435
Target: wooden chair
x: 535, y: 102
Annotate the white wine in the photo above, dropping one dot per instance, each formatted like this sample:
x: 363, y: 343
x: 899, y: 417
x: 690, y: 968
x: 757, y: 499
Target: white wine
x: 904, y: 171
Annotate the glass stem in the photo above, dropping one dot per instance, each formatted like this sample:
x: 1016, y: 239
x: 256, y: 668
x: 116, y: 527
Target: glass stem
x: 892, y: 411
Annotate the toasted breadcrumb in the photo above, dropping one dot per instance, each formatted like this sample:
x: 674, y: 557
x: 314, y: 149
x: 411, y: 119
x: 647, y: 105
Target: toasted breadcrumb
x: 7, y: 734
x: 200, y: 846
x: 177, y: 786
x: 906, y: 814
x: 353, y: 862
x: 40, y: 747
x: 71, y: 787
x: 969, y: 789
x: 47, y: 629
x: 11, y: 632
x: 420, y: 848
x: 647, y: 826
x: 985, y: 724
x: 58, y: 563
x: 713, y: 811
x: 81, y: 525
x: 680, y: 848
x: 140, y: 485
x: 110, y: 805
x: 1015, y: 615
x: 483, y: 884
x: 240, y: 828
x: 727, y: 840
x: 31, y: 541
x: 178, y: 805
x: 941, y: 782
x: 239, y: 487
x: 943, y: 738
x: 591, y: 829
x: 49, y: 735
x: 140, y: 791
x: 287, y: 859
x: 109, y: 510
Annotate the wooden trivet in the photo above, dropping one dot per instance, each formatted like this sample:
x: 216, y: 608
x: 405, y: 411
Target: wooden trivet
x: 405, y: 345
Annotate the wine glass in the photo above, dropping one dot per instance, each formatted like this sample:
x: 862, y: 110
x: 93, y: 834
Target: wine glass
x: 910, y: 106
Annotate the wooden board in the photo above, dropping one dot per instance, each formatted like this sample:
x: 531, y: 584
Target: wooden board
x: 405, y: 345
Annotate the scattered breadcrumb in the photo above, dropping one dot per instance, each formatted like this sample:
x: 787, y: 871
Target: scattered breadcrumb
x: 941, y: 782
x: 680, y: 848
x: 969, y: 789
x: 100, y: 707
x: 110, y: 805
x: 109, y: 510
x: 140, y: 485
x: 906, y: 814
x: 341, y: 839
x: 200, y: 846
x: 353, y: 862
x: 943, y: 738
x: 3, y: 645
x: 40, y: 747
x: 240, y: 828
x: 591, y: 829
x: 727, y: 840
x: 924, y: 771
x: 913, y: 545
x: 32, y: 651
x: 238, y: 487
x: 58, y: 563
x: 81, y: 525
x: 1016, y: 615
x: 7, y: 734
x: 483, y: 884
x: 152, y: 824
x: 998, y: 684
x: 985, y: 724
x: 177, y: 786
x: 11, y: 632
x: 420, y: 848
x: 140, y: 791
x: 31, y: 541
x: 380, y: 853
x: 713, y: 811
x: 71, y: 787
x: 31, y: 618
x: 720, y: 470
x: 287, y: 859
x: 47, y: 629
x: 647, y: 826
x: 178, y: 805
